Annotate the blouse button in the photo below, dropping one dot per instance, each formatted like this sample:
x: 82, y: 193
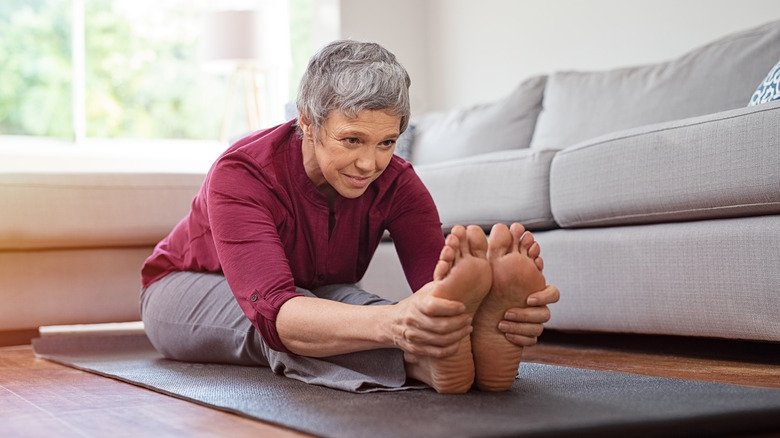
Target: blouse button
x: 253, y: 298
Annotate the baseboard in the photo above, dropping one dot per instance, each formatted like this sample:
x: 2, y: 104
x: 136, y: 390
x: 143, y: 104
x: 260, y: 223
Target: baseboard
x: 17, y: 337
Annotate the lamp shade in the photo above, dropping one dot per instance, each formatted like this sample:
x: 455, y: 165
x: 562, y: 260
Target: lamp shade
x: 233, y: 35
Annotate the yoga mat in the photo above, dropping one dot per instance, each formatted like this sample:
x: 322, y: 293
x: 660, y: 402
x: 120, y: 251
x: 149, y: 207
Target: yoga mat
x: 545, y: 401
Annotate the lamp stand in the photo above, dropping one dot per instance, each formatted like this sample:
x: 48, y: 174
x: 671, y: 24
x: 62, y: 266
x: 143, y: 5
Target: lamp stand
x: 247, y: 75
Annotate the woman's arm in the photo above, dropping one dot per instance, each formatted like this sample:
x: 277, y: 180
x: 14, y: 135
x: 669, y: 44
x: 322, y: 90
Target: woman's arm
x: 242, y: 217
x: 421, y: 324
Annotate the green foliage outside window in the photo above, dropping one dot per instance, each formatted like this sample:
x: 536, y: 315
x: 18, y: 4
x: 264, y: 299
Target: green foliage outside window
x: 143, y: 74
x: 143, y: 78
x: 35, y: 71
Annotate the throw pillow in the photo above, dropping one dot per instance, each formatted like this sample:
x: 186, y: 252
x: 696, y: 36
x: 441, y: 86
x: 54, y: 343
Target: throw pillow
x: 769, y: 89
x: 403, y: 146
x: 506, y: 124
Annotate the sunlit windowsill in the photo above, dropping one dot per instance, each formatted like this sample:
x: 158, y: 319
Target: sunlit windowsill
x: 41, y: 154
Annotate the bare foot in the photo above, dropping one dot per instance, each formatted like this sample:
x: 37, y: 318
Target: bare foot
x: 516, y: 265
x: 462, y: 274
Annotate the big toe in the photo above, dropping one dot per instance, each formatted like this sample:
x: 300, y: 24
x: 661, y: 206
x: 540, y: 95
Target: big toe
x: 477, y: 241
x: 499, y: 242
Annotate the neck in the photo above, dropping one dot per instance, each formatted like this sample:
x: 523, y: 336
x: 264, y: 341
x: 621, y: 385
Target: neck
x: 313, y: 171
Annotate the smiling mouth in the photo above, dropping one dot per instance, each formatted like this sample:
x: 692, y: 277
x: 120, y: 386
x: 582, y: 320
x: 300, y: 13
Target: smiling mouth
x: 359, y: 181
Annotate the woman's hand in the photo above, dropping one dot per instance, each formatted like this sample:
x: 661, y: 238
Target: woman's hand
x: 522, y: 326
x: 425, y: 325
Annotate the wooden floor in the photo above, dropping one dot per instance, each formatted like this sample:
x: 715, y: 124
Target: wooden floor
x: 41, y: 398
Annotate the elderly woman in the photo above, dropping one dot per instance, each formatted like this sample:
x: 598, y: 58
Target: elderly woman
x: 262, y: 270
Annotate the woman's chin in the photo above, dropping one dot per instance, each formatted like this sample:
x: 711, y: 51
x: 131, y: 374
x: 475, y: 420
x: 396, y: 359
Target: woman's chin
x: 351, y: 192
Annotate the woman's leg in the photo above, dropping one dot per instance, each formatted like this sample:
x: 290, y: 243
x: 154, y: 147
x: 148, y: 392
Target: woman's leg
x: 193, y: 316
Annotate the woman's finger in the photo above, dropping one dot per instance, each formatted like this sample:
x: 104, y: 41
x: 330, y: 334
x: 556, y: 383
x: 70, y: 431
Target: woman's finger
x: 521, y: 329
x: 521, y: 341
x: 544, y: 297
x: 425, y: 339
x: 537, y: 315
x: 435, y: 306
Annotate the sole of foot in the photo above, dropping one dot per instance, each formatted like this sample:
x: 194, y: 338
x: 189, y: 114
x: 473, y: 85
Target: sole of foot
x: 463, y: 274
x: 516, y: 268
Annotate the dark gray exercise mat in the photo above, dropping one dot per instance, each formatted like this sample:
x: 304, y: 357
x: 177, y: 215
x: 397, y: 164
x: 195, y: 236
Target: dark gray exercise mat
x: 545, y: 401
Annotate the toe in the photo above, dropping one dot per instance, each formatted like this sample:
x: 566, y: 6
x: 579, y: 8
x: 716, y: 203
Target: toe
x: 517, y: 230
x: 539, y: 263
x: 499, y: 242
x: 477, y: 241
x: 526, y: 241
x: 441, y: 270
x: 447, y: 253
x: 535, y: 250
x: 462, y: 240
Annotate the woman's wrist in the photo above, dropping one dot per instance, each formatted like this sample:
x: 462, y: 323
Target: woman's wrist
x: 317, y: 327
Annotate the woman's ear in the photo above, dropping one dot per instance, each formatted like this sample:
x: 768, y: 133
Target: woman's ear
x: 305, y: 124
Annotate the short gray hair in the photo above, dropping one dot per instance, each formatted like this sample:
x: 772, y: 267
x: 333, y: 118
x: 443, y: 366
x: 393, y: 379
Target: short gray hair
x: 352, y: 76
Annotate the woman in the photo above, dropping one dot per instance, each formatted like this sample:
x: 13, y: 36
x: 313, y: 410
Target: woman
x: 262, y: 270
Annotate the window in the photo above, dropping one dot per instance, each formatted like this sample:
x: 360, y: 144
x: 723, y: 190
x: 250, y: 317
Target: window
x: 35, y: 77
x: 119, y: 69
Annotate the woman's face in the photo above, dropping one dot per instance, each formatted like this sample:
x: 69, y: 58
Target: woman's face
x: 348, y: 153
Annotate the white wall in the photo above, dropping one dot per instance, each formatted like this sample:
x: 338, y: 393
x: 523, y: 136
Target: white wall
x: 400, y: 26
x: 461, y: 52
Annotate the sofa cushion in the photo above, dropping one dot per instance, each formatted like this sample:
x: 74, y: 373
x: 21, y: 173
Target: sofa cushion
x: 82, y: 210
x: 716, y: 77
x: 719, y: 165
x: 769, y: 89
x: 506, y: 124
x: 504, y: 186
x: 403, y: 145
x: 714, y: 278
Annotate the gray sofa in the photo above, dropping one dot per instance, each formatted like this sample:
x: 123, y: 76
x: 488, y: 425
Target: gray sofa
x: 653, y: 190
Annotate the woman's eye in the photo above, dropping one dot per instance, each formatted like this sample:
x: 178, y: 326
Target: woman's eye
x: 352, y: 140
x: 388, y: 143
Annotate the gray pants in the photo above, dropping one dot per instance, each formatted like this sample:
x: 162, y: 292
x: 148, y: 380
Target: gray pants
x: 193, y: 316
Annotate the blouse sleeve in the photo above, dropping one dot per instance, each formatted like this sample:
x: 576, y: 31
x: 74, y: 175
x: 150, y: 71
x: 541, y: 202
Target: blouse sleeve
x: 241, y: 216
x: 415, y: 227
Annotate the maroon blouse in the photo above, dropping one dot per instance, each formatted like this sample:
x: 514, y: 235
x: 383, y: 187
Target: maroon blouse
x: 259, y: 220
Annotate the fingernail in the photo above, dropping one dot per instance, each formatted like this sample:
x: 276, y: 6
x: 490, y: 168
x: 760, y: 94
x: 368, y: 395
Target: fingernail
x: 503, y: 326
x: 510, y: 315
x: 533, y: 301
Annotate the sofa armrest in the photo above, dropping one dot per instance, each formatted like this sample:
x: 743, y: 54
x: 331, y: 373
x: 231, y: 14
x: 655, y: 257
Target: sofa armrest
x: 725, y: 164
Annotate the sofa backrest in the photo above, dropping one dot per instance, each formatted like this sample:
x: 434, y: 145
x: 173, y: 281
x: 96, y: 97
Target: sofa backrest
x: 48, y: 210
x: 719, y: 76
x: 506, y: 124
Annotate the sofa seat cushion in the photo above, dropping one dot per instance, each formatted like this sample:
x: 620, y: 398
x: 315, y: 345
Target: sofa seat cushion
x: 717, y: 77
x: 714, y: 278
x: 721, y: 165
x: 83, y: 210
x: 504, y: 186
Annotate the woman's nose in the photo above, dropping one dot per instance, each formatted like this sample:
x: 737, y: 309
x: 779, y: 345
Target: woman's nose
x: 366, y: 161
